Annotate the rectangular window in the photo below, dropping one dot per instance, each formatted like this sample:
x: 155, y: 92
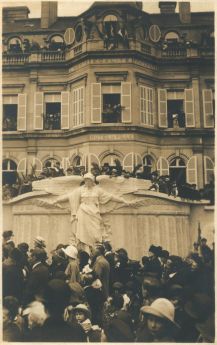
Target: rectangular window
x: 52, y: 111
x: 175, y: 113
x: 146, y: 105
x: 10, y: 117
x: 78, y: 107
x: 111, y: 108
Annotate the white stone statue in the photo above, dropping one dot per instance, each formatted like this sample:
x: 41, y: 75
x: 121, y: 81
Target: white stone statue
x: 88, y: 202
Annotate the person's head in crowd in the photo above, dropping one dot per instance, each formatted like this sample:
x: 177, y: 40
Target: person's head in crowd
x: 107, y: 246
x: 7, y: 235
x: 174, y: 263
x: 117, y: 288
x: 23, y: 247
x: 39, y: 242
x: 97, y: 250
x: 114, y: 173
x: 117, y: 301
x: 175, y: 294
x: 151, y: 287
x: 130, y: 288
x: 196, y: 245
x: 117, y: 331
x: 154, y: 251
x: 17, y: 256
x: 199, y: 307
x: 122, y: 255
x: 11, y: 303
x: 82, y: 313
x: 37, y: 255
x: 56, y: 297
x: 83, y: 258
x: 203, y: 241
x: 164, y: 255
x: 9, y: 245
x: 206, y: 330
x: 160, y: 318
x: 145, y: 262
x: 77, y: 294
x: 191, y: 263
x: 71, y: 252
x: 35, y: 314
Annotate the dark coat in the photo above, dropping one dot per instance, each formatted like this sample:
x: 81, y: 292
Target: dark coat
x: 102, y: 268
x: 37, y: 282
x: 13, y: 279
x: 57, y: 330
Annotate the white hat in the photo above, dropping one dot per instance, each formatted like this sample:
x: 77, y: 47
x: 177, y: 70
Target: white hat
x: 71, y: 251
x: 89, y: 175
x: 162, y: 308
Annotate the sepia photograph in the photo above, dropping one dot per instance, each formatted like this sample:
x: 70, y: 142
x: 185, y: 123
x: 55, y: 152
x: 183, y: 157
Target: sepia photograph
x: 108, y: 180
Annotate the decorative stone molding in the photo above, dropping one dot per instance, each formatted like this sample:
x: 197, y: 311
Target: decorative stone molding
x: 109, y: 76
x: 13, y: 88
x: 77, y: 79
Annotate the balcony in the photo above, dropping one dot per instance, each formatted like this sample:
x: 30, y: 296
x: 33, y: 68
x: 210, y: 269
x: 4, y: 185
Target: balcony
x: 52, y: 56
x: 15, y: 58
x: 174, y: 52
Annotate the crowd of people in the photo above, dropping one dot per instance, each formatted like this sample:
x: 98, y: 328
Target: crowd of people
x: 162, y: 184
x: 69, y: 295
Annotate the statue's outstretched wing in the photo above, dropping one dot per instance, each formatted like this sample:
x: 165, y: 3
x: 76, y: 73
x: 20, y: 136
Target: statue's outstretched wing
x: 58, y: 185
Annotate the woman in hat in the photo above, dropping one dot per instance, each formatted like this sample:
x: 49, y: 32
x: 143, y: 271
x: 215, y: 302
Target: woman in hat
x: 158, y: 322
x: 85, y: 204
x: 72, y: 270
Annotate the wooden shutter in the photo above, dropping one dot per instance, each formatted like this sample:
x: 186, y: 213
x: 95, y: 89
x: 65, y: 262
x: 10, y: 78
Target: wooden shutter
x: 21, y: 118
x: 38, y: 111
x: 208, y: 108
x: 96, y: 108
x: 162, y: 166
x: 38, y: 164
x: 65, y: 110
x: 208, y: 169
x: 21, y: 167
x: 192, y: 170
x: 126, y: 102
x: 81, y: 105
x: 162, y: 108
x: 150, y: 112
x: 189, y: 108
x: 128, y: 162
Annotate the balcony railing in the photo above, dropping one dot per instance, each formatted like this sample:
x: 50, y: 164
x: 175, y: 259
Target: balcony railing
x: 15, y: 59
x: 52, y: 56
x: 174, y: 52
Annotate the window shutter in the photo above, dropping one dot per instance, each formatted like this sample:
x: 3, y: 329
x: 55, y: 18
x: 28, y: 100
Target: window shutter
x: 189, y: 108
x: 146, y: 105
x: 150, y: 106
x: 21, y: 167
x: 208, y: 169
x: 162, y: 166
x: 162, y: 108
x: 78, y: 106
x: 208, y: 108
x: 38, y: 113
x: 192, y: 170
x: 37, y: 163
x: 96, y: 109
x: 21, y: 118
x: 126, y: 102
x: 128, y: 162
x: 65, y: 110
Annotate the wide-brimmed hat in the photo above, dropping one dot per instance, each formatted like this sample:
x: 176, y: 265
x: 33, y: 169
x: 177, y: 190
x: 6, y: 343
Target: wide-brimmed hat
x: 40, y: 241
x: 155, y: 250
x: 161, y: 308
x: 84, y: 309
x: 7, y: 233
x: 89, y: 176
x: 71, y: 251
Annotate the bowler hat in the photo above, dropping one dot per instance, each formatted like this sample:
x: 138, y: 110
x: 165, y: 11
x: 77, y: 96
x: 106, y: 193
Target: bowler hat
x: 7, y: 233
x: 161, y: 308
x: 155, y: 250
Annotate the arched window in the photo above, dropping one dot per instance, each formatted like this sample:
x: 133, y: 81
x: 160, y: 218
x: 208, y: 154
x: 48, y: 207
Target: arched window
x: 110, y: 159
x: 148, y: 165
x: 177, y: 170
x: 110, y: 25
x: 15, y: 45
x: 56, y: 42
x: 50, y: 162
x: 9, y: 172
x: 172, y: 37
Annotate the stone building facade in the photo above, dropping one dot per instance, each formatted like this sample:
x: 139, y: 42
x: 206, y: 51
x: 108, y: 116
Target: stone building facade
x: 114, y: 82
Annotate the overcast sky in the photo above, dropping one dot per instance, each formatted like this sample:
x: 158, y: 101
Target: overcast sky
x: 75, y: 7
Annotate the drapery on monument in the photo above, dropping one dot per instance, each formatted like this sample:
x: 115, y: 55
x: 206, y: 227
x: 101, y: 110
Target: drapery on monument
x: 86, y: 204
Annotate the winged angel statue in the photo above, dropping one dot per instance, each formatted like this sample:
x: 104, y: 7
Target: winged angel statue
x: 89, y: 204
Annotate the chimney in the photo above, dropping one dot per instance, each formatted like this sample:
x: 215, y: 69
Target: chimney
x: 10, y: 14
x: 48, y: 13
x: 167, y: 7
x: 185, y: 12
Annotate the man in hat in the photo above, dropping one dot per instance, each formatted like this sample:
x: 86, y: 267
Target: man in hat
x: 39, y: 242
x: 154, y: 262
x: 205, y: 250
x: 38, y: 277
x: 7, y: 236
